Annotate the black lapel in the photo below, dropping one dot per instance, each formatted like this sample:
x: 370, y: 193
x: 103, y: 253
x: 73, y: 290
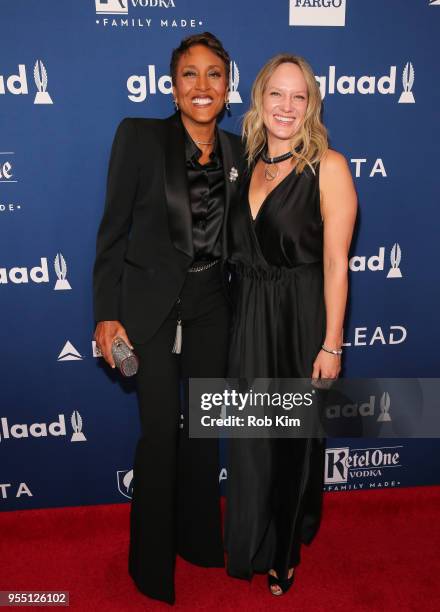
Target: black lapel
x: 176, y: 187
x: 228, y: 165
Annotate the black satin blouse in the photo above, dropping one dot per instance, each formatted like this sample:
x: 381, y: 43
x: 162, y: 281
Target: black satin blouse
x: 207, y: 198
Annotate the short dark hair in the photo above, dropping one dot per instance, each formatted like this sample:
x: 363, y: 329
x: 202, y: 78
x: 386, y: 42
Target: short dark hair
x: 207, y: 40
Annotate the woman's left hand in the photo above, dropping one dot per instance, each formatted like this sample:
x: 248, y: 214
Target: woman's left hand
x: 326, y: 365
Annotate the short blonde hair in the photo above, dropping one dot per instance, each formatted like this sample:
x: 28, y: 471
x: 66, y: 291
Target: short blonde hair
x: 310, y: 142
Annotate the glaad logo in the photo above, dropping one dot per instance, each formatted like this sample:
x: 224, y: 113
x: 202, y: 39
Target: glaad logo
x: 407, y: 96
x: 384, y: 414
x: 234, y: 80
x: 365, y: 409
x: 62, y: 283
x: 111, y: 7
x: 360, y: 263
x: 395, y: 258
x: 366, y: 84
x: 37, y: 274
x: 139, y: 86
x: 40, y: 78
x: 344, y: 464
x: 125, y: 482
x: 76, y: 422
x: 69, y: 353
x: 42, y: 430
x: 17, y: 84
x: 317, y: 13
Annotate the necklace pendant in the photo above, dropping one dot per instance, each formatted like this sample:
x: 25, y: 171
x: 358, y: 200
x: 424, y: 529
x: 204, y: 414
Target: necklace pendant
x: 270, y: 176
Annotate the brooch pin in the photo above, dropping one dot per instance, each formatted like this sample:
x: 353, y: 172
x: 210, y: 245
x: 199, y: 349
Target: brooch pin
x: 233, y: 174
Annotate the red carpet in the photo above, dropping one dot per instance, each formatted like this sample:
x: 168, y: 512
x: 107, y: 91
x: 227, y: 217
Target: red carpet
x: 376, y: 550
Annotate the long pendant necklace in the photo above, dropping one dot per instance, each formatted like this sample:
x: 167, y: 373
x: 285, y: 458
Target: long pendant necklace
x: 273, y: 161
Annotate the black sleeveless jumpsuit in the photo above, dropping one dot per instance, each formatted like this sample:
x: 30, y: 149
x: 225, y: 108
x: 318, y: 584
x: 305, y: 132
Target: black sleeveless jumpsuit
x: 275, y: 486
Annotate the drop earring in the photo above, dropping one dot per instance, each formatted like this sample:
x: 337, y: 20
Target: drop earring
x: 176, y: 104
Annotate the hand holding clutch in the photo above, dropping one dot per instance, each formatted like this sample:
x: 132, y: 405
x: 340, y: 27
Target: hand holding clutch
x: 125, y: 359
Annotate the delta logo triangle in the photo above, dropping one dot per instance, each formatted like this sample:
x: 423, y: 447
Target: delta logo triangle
x: 69, y: 353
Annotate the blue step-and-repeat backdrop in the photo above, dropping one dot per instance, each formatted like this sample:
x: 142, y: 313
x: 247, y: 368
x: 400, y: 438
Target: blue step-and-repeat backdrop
x: 69, y: 72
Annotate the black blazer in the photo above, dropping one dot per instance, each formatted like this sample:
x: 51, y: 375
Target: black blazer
x: 144, y: 245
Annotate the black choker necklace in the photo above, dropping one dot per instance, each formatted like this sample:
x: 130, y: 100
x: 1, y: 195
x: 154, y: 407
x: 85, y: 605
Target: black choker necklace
x: 268, y: 175
x: 276, y: 160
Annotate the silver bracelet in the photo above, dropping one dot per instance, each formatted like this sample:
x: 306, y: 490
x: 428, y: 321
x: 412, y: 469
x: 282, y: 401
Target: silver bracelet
x: 332, y: 351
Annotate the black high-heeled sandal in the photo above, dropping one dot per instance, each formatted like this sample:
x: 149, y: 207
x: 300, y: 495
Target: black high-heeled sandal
x: 283, y: 583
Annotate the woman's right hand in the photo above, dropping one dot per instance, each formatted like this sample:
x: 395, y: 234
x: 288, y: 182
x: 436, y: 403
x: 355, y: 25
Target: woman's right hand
x: 105, y: 333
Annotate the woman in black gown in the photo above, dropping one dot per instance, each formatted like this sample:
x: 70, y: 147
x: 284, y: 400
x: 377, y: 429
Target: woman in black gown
x: 289, y: 240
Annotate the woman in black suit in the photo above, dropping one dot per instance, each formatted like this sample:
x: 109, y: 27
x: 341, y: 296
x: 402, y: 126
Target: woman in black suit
x: 159, y: 284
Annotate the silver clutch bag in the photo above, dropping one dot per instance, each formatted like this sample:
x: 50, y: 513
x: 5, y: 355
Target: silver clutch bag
x: 125, y: 360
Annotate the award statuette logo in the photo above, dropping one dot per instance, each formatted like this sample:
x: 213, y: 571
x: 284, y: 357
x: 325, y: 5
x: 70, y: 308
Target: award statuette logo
x: 62, y: 283
x: 125, y: 482
x: 76, y: 422
x: 234, y: 80
x: 40, y: 78
x: 111, y: 7
x: 395, y: 257
x: 384, y: 408
x: 407, y: 96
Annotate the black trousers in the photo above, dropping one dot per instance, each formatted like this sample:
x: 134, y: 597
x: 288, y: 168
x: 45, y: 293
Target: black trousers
x: 176, y: 502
